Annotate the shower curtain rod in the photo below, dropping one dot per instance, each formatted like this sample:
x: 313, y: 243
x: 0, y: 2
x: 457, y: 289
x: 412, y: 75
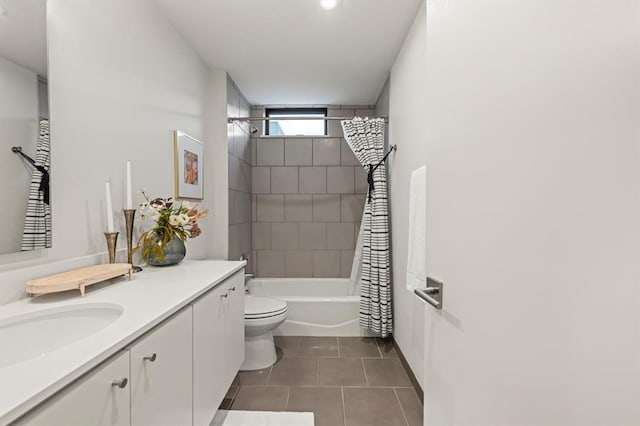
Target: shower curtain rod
x: 294, y: 117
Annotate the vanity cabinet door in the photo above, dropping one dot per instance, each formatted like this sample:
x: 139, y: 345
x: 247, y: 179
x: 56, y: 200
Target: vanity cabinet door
x: 234, y: 326
x: 161, y: 374
x: 100, y: 398
x: 209, y: 371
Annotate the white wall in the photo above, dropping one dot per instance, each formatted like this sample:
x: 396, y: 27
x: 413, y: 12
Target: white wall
x: 18, y: 127
x: 532, y: 138
x: 121, y: 79
x: 403, y: 98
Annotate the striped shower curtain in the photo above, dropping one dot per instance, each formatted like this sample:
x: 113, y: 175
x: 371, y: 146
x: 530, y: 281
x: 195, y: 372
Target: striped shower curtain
x: 366, y: 139
x: 37, y: 222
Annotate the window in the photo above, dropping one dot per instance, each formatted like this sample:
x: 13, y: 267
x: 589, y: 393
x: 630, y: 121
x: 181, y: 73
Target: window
x: 298, y: 126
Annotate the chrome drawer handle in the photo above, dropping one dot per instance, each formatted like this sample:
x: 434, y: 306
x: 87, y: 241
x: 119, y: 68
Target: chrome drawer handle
x: 122, y: 383
x: 224, y: 295
x: 233, y: 288
x: 151, y: 357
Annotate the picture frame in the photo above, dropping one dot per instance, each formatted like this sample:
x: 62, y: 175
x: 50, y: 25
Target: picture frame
x: 189, y: 166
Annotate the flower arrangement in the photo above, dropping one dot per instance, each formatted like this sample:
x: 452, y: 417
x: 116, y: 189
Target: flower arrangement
x: 173, y: 219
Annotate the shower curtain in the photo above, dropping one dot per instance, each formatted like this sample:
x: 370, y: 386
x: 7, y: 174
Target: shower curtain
x: 366, y: 139
x: 37, y: 222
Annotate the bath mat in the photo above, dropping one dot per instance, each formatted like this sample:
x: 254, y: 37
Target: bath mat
x: 261, y: 418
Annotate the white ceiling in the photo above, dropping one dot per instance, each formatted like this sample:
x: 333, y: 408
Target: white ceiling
x: 23, y: 38
x: 293, y: 51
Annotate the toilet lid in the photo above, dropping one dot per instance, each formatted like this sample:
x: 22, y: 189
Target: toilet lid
x: 260, y: 307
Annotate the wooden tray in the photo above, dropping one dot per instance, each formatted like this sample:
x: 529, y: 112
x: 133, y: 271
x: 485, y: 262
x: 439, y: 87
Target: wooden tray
x: 77, y: 279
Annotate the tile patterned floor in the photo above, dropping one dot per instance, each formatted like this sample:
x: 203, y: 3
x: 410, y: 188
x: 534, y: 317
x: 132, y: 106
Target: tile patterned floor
x: 348, y: 381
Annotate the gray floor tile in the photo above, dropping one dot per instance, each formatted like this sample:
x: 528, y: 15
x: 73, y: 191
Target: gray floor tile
x: 261, y: 398
x: 318, y: 346
x: 228, y: 398
x: 411, y: 405
x: 248, y: 378
x: 295, y: 371
x: 341, y: 372
x: 287, y: 345
x: 386, y: 348
x: 372, y: 407
x: 325, y: 403
x: 358, y: 347
x: 385, y: 372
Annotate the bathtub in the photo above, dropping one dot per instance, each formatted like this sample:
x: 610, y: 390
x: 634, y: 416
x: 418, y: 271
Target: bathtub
x: 316, y: 306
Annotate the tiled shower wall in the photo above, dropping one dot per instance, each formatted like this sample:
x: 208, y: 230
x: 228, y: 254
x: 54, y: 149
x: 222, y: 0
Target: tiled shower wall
x: 308, y: 198
x: 238, y: 135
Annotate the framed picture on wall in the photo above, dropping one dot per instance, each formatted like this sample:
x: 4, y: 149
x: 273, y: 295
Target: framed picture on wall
x: 189, y: 166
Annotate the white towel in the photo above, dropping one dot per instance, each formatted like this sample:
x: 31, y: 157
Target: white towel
x: 416, y: 255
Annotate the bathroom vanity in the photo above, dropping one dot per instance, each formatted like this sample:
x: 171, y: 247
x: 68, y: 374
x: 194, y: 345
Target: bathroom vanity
x: 168, y: 346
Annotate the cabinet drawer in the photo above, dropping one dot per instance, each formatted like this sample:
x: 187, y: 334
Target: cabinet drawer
x: 92, y: 400
x: 161, y: 374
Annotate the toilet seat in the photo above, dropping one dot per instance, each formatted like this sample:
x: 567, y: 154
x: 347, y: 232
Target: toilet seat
x: 256, y: 307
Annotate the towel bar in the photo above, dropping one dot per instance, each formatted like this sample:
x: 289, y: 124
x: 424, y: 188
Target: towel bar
x: 432, y: 294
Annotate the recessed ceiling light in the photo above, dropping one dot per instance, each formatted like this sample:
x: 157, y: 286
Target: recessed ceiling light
x: 329, y: 4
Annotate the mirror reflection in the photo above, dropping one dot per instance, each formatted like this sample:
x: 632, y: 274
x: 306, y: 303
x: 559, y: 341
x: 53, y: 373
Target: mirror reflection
x: 24, y: 127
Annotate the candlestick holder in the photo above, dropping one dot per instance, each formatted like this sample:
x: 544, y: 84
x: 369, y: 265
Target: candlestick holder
x: 129, y: 216
x: 112, y: 238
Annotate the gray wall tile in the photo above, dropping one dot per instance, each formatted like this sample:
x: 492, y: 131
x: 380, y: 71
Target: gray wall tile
x: 298, y: 264
x: 234, y: 241
x: 253, y: 260
x: 334, y: 127
x: 254, y: 151
x: 347, y: 157
x: 270, y: 208
x: 245, y: 176
x: 326, y: 264
x: 313, y: 236
x: 261, y: 236
x: 284, y: 236
x: 284, y: 180
x: 369, y: 112
x: 245, y: 240
x: 346, y: 263
x: 298, y: 208
x: 307, y: 198
x: 270, y: 152
x: 242, y: 207
x: 326, y: 208
x: 235, y: 175
x: 270, y: 263
x: 351, y: 207
x: 361, y: 180
x: 326, y: 152
x: 340, y: 180
x: 232, y: 208
x: 298, y: 152
x: 254, y: 211
x: 313, y: 180
x: 340, y: 236
x: 261, y: 180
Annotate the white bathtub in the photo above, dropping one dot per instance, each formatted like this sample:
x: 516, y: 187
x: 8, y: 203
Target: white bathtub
x: 316, y: 306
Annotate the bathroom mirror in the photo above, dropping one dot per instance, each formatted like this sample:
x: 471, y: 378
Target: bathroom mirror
x: 24, y: 127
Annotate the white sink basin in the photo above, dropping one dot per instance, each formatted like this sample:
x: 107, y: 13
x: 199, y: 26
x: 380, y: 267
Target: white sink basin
x: 23, y: 337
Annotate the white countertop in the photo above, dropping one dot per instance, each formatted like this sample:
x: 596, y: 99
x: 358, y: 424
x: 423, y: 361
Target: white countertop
x: 150, y: 297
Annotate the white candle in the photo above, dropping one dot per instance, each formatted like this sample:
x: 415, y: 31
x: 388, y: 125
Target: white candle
x: 110, y: 226
x: 129, y: 196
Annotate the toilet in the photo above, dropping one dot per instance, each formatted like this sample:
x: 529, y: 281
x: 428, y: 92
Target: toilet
x: 261, y: 316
